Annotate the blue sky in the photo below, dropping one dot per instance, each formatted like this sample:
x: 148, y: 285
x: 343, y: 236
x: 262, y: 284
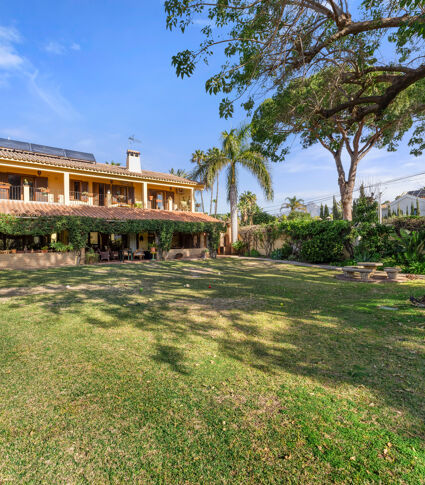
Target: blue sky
x: 86, y: 75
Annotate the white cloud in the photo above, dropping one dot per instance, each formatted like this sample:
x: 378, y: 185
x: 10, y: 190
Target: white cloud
x: 51, y: 95
x: 9, y: 58
x: 54, y: 47
x: 9, y: 35
x: 12, y: 63
x: 59, y: 48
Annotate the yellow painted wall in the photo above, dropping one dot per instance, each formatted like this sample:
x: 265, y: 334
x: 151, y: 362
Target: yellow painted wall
x: 55, y: 180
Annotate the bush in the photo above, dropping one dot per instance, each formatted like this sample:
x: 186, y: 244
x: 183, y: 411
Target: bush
x: 60, y: 247
x: 283, y: 253
x: 254, y: 253
x: 239, y: 247
x: 415, y: 267
x: 91, y: 256
x: 319, y: 241
x: 375, y: 242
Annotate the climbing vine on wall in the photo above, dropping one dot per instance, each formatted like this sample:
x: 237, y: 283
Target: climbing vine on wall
x: 80, y: 227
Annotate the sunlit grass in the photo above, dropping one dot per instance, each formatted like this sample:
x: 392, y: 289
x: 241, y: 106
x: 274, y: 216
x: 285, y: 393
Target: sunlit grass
x: 275, y: 374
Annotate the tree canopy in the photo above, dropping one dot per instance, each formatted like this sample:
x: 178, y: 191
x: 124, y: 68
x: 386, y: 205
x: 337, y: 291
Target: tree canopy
x: 269, y: 43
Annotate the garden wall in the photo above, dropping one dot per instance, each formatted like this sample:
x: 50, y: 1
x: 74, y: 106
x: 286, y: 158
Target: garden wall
x: 37, y: 260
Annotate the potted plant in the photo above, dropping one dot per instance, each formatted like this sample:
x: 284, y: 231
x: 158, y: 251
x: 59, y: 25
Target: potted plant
x: 44, y: 249
x: 151, y: 197
x: 44, y: 190
x: 25, y: 182
x: 13, y: 251
x: 205, y: 253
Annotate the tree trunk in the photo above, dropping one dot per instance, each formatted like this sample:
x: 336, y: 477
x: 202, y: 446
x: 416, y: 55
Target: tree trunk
x: 212, y: 195
x: 346, y: 187
x: 202, y: 201
x: 233, y: 196
x: 216, y: 198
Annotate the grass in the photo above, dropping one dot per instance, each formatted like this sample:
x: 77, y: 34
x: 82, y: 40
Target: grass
x: 275, y: 374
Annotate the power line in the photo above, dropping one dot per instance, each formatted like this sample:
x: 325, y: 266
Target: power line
x: 276, y: 207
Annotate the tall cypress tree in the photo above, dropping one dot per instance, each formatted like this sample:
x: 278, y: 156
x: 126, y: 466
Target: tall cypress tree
x: 321, y: 212
x: 326, y: 211
x: 336, y: 213
x: 418, y: 210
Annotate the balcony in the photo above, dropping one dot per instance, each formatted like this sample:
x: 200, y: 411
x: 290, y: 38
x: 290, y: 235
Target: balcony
x: 25, y: 193
x: 28, y: 193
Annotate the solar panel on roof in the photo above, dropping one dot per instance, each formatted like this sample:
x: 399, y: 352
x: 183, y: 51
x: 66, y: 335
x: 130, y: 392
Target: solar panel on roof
x: 20, y: 145
x: 87, y: 157
x: 35, y: 148
x: 60, y: 152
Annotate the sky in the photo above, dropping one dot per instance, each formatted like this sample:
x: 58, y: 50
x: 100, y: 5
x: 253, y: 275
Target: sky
x: 86, y: 75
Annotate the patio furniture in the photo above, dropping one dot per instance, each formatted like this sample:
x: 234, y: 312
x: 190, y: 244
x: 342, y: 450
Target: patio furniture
x: 115, y: 255
x: 128, y: 253
x: 139, y: 254
x: 104, y: 255
x: 350, y: 271
x: 392, y: 273
x: 370, y: 265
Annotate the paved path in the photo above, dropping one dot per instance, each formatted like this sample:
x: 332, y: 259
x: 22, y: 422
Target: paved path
x: 284, y: 261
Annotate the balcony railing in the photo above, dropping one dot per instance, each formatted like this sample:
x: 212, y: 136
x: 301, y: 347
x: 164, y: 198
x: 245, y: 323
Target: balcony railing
x: 27, y: 193
x: 17, y: 192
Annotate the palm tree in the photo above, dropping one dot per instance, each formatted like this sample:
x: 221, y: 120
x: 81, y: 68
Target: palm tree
x: 247, y: 205
x: 235, y: 153
x: 293, y: 204
x: 180, y: 172
x: 198, y: 157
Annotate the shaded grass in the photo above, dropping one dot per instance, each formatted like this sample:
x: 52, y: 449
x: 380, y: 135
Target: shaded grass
x: 274, y: 374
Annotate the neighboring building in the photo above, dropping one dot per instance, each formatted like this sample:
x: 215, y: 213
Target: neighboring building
x: 45, y: 181
x: 404, y: 203
x: 313, y: 209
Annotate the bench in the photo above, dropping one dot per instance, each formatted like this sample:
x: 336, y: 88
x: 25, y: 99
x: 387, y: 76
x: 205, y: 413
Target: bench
x: 392, y: 273
x: 349, y: 272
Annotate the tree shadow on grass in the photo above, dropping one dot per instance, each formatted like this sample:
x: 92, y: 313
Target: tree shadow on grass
x: 325, y: 330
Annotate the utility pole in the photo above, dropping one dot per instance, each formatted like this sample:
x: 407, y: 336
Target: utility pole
x: 379, y: 205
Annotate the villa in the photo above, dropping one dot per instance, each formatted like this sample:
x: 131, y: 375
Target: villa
x: 41, y: 181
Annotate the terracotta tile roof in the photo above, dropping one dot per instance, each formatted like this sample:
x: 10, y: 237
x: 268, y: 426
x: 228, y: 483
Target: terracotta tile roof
x: 24, y: 156
x: 34, y: 209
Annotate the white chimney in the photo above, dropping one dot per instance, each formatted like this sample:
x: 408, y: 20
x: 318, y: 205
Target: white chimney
x: 133, y: 161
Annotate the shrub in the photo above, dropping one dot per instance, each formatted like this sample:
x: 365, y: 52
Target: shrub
x: 276, y: 254
x: 239, y: 247
x: 410, y: 246
x: 92, y: 257
x: 415, y: 267
x: 254, y: 253
x: 319, y: 241
x: 60, y: 247
x: 374, y: 242
x: 282, y: 253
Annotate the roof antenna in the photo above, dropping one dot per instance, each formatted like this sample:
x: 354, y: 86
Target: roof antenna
x: 132, y: 140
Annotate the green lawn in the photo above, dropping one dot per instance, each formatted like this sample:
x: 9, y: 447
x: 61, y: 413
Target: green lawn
x: 275, y: 374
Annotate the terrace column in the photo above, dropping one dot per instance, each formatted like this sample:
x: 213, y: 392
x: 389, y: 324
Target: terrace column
x: 26, y: 193
x: 192, y: 201
x: 145, y: 195
x: 66, y: 187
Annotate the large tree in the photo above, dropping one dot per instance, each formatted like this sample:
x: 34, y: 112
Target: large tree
x: 269, y: 42
x: 248, y: 207
x: 293, y: 204
x: 234, y: 154
x: 198, y: 157
x: 294, y: 111
x: 357, y: 65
